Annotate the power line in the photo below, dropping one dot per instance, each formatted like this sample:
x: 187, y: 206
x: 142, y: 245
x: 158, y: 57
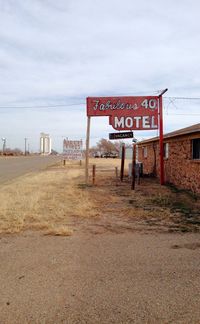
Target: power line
x: 42, y: 106
x: 182, y: 114
x: 182, y: 98
x: 83, y: 103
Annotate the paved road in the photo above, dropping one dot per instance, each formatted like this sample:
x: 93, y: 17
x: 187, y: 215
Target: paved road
x: 12, y: 167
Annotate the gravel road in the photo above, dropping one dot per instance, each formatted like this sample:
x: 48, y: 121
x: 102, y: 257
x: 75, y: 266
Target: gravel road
x: 12, y: 167
x: 105, y: 278
x: 106, y: 272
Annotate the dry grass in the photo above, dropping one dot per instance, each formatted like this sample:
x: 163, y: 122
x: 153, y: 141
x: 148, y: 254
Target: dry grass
x: 56, y: 201
x: 59, y: 231
x: 149, y: 207
x: 109, y: 162
x: 44, y: 201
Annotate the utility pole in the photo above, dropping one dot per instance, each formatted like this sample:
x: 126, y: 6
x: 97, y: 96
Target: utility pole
x: 25, y: 139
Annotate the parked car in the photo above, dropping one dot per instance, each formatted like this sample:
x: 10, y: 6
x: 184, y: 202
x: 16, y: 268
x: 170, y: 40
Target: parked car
x: 97, y: 155
x: 109, y: 155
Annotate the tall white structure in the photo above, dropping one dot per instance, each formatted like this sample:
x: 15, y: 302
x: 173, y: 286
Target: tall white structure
x: 45, y: 144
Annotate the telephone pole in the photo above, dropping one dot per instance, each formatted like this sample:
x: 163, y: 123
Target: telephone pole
x: 25, y: 139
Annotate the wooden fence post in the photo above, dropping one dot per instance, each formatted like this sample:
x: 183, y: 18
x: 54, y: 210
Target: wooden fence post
x: 116, y: 174
x: 93, y: 173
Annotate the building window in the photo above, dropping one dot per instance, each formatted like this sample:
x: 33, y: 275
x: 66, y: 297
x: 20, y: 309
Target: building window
x: 196, y: 149
x: 144, y: 152
x: 166, y: 150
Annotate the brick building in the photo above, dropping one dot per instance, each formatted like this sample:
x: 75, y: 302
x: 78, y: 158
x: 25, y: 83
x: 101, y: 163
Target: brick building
x: 181, y: 157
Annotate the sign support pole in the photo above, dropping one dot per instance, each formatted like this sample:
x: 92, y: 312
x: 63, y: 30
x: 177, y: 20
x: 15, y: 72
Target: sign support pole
x: 122, y: 162
x: 133, y: 169
x: 162, y: 178
x: 87, y: 150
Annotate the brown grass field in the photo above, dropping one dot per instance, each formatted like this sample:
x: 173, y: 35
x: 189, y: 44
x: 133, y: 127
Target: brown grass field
x: 57, y: 202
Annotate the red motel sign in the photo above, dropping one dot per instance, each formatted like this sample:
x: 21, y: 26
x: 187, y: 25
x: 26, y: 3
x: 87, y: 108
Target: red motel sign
x: 126, y: 113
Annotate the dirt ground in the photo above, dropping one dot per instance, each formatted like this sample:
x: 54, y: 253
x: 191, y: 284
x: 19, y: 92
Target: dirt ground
x: 135, y: 258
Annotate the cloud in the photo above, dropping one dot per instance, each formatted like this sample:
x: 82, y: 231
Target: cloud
x: 61, y: 52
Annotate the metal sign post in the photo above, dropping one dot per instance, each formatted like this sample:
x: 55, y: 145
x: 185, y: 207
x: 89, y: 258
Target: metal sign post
x: 122, y: 162
x: 162, y: 177
x: 133, y: 168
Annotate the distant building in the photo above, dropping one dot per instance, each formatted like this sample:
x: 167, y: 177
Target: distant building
x: 45, y: 144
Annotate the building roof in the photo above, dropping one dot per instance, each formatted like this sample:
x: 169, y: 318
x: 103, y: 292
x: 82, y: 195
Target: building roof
x: 180, y: 132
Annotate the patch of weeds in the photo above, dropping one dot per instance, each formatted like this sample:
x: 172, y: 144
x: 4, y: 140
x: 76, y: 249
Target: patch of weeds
x: 179, y: 206
x: 133, y: 202
x: 172, y: 187
x: 174, y: 205
x: 174, y: 229
x: 162, y: 201
x: 175, y: 246
x: 84, y: 186
x: 191, y: 194
x: 194, y: 222
x: 185, y: 229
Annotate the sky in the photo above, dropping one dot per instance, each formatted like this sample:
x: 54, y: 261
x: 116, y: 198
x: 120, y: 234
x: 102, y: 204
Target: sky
x: 54, y: 54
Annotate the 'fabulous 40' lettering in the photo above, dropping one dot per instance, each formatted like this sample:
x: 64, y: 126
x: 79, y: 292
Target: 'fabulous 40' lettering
x: 112, y: 106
